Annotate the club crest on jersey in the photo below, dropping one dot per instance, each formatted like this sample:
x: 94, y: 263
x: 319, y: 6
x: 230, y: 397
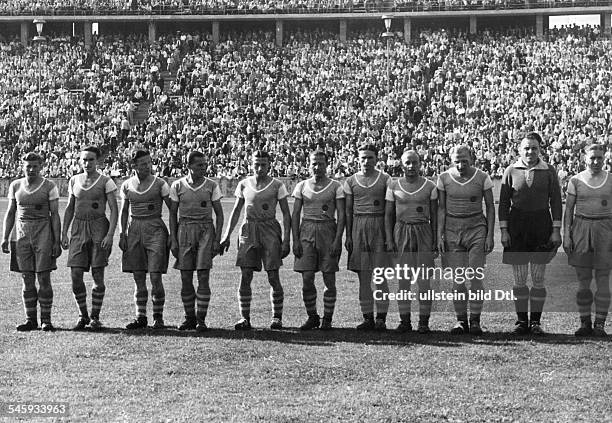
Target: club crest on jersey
x: 325, y: 207
x: 473, y: 199
x: 38, y: 207
x: 151, y: 207
x: 420, y: 209
x: 604, y: 202
x: 265, y: 206
x: 94, y: 205
x: 203, y: 204
x: 376, y: 203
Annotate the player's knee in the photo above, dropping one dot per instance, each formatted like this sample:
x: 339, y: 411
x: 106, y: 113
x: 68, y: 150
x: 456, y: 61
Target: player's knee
x: 76, y: 273
x: 584, y: 276
x: 584, y: 297
x: 29, y: 281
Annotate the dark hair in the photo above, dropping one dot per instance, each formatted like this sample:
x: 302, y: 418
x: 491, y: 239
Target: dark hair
x: 536, y: 137
x: 261, y: 154
x: 93, y: 149
x: 193, y: 156
x: 319, y: 153
x: 595, y: 147
x: 368, y: 147
x: 32, y: 157
x: 139, y: 153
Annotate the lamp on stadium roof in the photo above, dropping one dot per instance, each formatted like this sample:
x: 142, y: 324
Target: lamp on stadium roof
x: 388, y: 35
x: 40, y: 39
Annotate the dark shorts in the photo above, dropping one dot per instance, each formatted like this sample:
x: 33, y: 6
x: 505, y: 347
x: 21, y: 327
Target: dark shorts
x: 86, y: 243
x: 260, y: 242
x: 368, y: 244
x: 147, y: 246
x: 464, y: 241
x: 414, y: 243
x: 591, y: 243
x: 33, y: 246
x: 529, y: 238
x: 195, y: 240
x: 316, y: 239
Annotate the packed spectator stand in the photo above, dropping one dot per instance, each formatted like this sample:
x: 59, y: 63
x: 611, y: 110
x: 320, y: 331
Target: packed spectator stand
x: 246, y: 93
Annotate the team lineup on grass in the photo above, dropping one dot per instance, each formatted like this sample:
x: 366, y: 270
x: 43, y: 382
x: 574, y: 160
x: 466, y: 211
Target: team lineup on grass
x: 387, y: 224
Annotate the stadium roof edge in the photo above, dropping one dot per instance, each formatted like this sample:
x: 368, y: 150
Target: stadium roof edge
x: 312, y: 16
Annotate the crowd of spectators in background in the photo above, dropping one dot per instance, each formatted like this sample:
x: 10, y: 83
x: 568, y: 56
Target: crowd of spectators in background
x: 245, y: 93
x: 64, y: 7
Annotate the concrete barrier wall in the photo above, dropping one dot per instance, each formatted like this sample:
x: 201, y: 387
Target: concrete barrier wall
x: 227, y: 186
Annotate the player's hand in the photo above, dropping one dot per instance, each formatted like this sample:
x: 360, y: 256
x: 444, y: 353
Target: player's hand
x: 297, y: 249
x: 336, y: 248
x: 65, y: 241
x: 285, y: 249
x: 56, y: 250
x: 505, y: 238
x: 555, y: 238
x: 216, y: 248
x: 123, y: 242
x: 348, y: 244
x: 441, y: 246
x: 489, y: 244
x: 5, y: 247
x: 390, y: 246
x: 567, y: 245
x: 107, y: 242
x: 224, y: 247
x: 174, y: 249
x: 434, y: 252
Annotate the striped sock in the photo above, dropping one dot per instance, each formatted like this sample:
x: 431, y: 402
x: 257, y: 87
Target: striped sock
x: 477, y: 291
x: 203, y: 301
x: 81, y: 300
x: 277, y: 297
x: 329, y: 302
x: 460, y: 302
x: 309, y: 296
x: 537, y: 297
x: 158, y: 299
x: 97, y: 298
x: 140, y: 299
x: 30, y: 302
x: 244, y: 302
x: 189, y: 300
x: 584, y: 300
x: 45, y: 299
x: 602, y: 304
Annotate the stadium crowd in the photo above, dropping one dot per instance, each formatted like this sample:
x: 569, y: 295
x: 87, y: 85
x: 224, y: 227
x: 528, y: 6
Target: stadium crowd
x: 63, y: 7
x: 245, y: 94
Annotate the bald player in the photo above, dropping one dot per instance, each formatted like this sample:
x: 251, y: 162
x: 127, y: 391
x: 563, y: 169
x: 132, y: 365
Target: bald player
x: 144, y: 237
x: 33, y: 213
x: 195, y: 240
x: 261, y: 239
x: 317, y: 238
x: 92, y: 234
x: 365, y: 234
x: 411, y: 229
x: 465, y: 235
x: 588, y: 240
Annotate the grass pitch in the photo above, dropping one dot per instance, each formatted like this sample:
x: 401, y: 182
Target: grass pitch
x: 288, y: 375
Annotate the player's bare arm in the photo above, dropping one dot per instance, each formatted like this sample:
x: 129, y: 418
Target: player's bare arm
x: 234, y: 216
x: 441, y: 220
x: 56, y: 227
x: 286, y: 246
x: 173, y: 221
x: 490, y: 207
x: 219, y: 221
x: 111, y: 199
x: 568, y: 220
x: 68, y: 216
x: 433, y: 222
x: 349, y: 223
x: 125, y: 214
x: 9, y: 222
x: 295, y: 227
x: 336, y: 249
x: 389, y: 224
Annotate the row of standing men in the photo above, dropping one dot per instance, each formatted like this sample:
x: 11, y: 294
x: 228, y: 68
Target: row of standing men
x: 410, y: 221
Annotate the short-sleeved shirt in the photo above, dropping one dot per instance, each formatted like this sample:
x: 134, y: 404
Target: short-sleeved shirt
x: 33, y: 204
x: 260, y: 204
x: 91, y: 201
x: 412, y: 207
x: 147, y: 203
x: 368, y: 200
x: 318, y: 205
x: 464, y: 198
x: 591, y: 201
x: 195, y: 203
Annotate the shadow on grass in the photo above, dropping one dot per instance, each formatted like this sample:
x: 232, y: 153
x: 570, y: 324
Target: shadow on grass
x: 348, y: 335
